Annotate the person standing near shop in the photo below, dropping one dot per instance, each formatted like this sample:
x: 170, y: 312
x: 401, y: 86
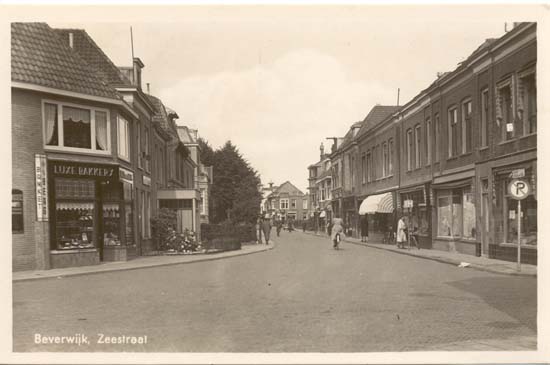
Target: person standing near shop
x: 401, y: 232
x: 266, y: 227
x: 364, y: 228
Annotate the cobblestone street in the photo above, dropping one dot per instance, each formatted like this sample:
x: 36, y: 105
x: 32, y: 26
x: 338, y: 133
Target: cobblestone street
x: 301, y: 296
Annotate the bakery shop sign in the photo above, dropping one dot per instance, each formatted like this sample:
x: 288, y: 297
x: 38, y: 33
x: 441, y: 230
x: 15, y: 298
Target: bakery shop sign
x: 69, y: 169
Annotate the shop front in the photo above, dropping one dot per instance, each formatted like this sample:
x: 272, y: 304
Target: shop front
x: 350, y: 216
x: 415, y: 206
x: 91, y: 213
x: 379, y: 211
x: 505, y: 213
x: 455, y: 220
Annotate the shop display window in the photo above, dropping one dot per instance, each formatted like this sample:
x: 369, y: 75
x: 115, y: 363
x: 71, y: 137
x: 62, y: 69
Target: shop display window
x: 507, y: 220
x: 456, y: 217
x: 75, y: 213
x: 128, y: 213
x: 418, y: 216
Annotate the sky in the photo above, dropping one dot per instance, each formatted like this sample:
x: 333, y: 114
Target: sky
x: 277, y: 83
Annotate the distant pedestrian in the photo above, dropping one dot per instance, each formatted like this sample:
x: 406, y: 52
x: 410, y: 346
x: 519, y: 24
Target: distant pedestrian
x: 279, y: 225
x: 259, y: 230
x: 290, y: 225
x: 364, y: 228
x: 401, y: 233
x: 304, y: 226
x: 266, y: 228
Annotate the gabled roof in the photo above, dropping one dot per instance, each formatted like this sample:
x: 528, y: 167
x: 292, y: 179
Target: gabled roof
x: 184, y: 135
x: 376, y: 115
x: 286, y: 188
x: 86, y: 47
x: 40, y: 57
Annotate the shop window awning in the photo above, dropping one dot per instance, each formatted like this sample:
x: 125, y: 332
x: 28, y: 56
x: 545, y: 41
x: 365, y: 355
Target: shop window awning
x: 381, y: 203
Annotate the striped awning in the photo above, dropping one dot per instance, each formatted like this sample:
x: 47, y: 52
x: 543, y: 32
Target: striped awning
x: 381, y: 203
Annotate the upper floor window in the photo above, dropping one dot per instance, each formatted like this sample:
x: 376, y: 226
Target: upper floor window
x: 352, y: 171
x: 467, y: 126
x: 293, y: 203
x: 369, y: 167
x: 417, y: 144
x: 75, y: 128
x: 304, y: 203
x: 428, y: 141
x: 409, y: 149
x: 453, y: 132
x: 390, y: 157
x: 437, y: 136
x: 146, y: 150
x: 484, y: 117
x: 284, y: 204
x: 527, y: 101
x: 385, y: 160
x: 363, y: 169
x: 138, y: 144
x: 123, y: 138
x: 505, y: 109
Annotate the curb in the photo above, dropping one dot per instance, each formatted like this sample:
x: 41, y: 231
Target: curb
x: 448, y: 261
x: 109, y: 270
x: 445, y: 260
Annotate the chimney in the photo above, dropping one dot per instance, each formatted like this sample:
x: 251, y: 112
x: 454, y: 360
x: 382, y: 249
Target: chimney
x: 138, y: 66
x: 148, y: 88
x: 71, y: 40
x: 322, y: 148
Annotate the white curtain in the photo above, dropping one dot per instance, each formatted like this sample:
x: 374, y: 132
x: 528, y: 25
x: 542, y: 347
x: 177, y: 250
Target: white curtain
x: 51, y: 120
x: 101, y: 129
x: 76, y: 114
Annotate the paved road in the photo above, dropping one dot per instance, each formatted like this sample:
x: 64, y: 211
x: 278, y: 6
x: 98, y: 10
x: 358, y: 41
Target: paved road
x: 300, y: 297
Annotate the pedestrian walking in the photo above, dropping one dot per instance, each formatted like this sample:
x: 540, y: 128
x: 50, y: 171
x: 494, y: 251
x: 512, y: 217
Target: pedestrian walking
x: 304, y: 226
x: 279, y: 225
x: 401, y: 233
x: 364, y: 228
x: 266, y: 228
x: 290, y: 225
x: 259, y: 230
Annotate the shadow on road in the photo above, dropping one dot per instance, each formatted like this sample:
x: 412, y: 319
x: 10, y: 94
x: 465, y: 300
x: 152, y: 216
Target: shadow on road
x: 501, y: 293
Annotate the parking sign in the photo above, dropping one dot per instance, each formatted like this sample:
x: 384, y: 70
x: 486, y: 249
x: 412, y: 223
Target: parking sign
x: 519, y: 189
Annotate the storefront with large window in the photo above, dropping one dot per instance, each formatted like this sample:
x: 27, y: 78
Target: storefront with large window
x: 91, y: 213
x: 455, y: 217
x: 417, y: 212
x: 505, y: 214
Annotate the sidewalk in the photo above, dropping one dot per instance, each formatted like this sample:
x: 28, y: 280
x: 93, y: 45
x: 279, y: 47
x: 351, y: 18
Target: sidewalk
x: 137, y: 263
x: 453, y: 258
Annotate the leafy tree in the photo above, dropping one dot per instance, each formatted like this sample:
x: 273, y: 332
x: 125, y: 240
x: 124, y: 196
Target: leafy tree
x: 235, y: 190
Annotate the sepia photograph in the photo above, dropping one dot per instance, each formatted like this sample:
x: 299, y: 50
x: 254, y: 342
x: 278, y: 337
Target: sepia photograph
x: 241, y: 179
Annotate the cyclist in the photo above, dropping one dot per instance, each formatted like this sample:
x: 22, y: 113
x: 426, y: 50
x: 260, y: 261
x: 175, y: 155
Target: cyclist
x: 337, y: 232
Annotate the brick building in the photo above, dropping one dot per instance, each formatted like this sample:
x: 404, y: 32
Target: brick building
x: 451, y: 151
x: 91, y: 152
x: 287, y: 202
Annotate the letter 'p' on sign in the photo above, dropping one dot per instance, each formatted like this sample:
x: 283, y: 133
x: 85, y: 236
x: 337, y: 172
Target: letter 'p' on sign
x: 519, y: 189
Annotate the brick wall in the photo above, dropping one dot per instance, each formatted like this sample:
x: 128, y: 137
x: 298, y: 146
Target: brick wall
x: 30, y: 249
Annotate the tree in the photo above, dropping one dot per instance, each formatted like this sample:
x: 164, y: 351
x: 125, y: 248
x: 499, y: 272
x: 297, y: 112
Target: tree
x: 235, y: 190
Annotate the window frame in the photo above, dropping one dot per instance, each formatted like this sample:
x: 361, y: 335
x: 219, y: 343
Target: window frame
x: 437, y: 136
x: 527, y: 73
x: 60, y: 133
x: 417, y: 144
x: 128, y: 138
x: 408, y: 149
x: 466, y: 120
x: 484, y: 117
x: 453, y: 132
x: 428, y: 141
x: 22, y: 200
x: 390, y: 157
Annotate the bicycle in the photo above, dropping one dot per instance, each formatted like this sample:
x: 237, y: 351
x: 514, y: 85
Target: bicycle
x: 414, y: 240
x: 389, y: 238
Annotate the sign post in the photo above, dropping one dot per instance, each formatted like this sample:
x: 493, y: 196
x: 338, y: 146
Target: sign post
x: 519, y: 189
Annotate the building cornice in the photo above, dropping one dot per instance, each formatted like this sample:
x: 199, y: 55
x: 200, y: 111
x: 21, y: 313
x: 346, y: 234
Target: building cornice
x: 73, y: 94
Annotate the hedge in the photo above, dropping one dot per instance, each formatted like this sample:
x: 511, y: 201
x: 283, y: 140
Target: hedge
x: 226, y: 236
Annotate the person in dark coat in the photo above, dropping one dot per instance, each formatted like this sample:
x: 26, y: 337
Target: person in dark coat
x: 266, y: 228
x: 364, y: 228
